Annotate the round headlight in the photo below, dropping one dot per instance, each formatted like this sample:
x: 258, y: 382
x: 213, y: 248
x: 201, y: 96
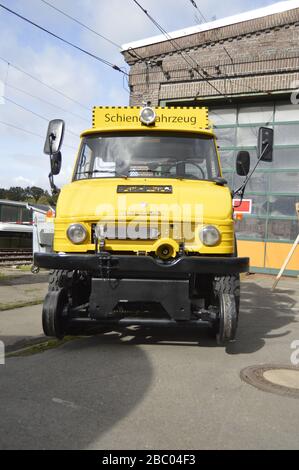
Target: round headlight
x: 209, y: 235
x: 147, y: 116
x: 76, y: 233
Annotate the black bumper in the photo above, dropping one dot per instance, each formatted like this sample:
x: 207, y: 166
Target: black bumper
x: 120, y: 266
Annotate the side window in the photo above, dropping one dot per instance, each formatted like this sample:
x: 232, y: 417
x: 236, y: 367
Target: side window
x: 85, y: 161
x: 10, y: 213
x: 26, y: 216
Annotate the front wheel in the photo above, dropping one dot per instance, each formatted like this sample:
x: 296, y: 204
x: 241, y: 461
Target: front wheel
x: 227, y: 293
x: 53, y: 316
x: 228, y: 319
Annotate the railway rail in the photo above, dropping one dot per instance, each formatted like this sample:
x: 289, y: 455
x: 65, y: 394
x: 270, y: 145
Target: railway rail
x: 14, y: 257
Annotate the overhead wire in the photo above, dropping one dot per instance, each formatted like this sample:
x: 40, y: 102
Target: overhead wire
x: 22, y: 129
x: 19, y: 69
x: 193, y: 2
x: 34, y: 113
x: 177, y: 49
x: 46, y: 102
x: 88, y: 28
x: 65, y: 41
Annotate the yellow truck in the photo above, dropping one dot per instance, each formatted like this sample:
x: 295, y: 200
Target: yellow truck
x: 144, y: 233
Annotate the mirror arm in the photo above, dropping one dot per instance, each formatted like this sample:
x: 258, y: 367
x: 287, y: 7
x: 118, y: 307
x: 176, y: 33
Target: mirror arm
x: 54, y: 188
x: 241, y: 189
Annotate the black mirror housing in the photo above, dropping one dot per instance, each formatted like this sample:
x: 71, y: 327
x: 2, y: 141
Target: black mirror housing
x: 265, y: 144
x: 54, y: 137
x: 243, y: 163
x: 56, y: 161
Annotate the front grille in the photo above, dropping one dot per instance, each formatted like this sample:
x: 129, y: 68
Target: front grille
x: 127, y: 232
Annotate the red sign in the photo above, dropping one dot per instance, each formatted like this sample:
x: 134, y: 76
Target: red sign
x: 244, y: 207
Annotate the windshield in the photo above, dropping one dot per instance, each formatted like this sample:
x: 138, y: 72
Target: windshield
x: 143, y: 155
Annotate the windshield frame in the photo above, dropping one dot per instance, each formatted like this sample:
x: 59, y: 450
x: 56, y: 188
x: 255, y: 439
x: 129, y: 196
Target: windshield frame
x: 144, y: 133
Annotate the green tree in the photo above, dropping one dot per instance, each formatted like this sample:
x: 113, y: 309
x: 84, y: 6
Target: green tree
x: 2, y: 193
x: 15, y: 193
x: 36, y: 192
x: 43, y: 200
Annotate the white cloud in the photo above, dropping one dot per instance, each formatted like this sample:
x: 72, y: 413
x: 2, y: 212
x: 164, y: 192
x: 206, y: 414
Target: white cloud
x: 21, y: 181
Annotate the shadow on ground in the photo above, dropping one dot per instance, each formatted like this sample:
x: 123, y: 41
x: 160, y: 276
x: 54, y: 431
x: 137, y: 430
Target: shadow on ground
x: 71, y: 394
x: 262, y: 313
x: 63, y: 398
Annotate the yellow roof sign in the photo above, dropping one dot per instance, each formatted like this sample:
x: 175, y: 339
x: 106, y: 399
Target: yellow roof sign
x: 128, y: 118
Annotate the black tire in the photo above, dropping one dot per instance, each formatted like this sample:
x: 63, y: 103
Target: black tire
x: 53, y: 318
x: 73, y: 288
x: 54, y: 322
x: 228, y: 320
x: 228, y: 285
x: 57, y: 279
x: 76, y: 283
x: 227, y: 294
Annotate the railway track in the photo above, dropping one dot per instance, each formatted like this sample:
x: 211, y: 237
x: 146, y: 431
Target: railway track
x: 15, y: 257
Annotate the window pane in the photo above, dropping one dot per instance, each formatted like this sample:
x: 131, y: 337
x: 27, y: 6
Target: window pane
x: 247, y: 136
x: 287, y: 112
x: 259, y: 205
x: 227, y: 158
x: 257, y: 183
x: 226, y: 137
x: 229, y: 178
x: 282, y: 230
x: 253, y: 114
x: 26, y: 215
x: 223, y: 116
x: 284, y: 182
x: 286, y: 158
x: 283, y: 205
x: 146, y: 155
x: 286, y: 134
x: 10, y: 213
x: 251, y: 228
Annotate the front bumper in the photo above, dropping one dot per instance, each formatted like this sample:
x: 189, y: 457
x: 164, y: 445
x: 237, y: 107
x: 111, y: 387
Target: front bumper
x: 142, y: 267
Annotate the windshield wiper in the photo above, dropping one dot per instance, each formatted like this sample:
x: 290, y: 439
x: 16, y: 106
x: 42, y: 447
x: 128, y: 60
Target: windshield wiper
x: 113, y: 172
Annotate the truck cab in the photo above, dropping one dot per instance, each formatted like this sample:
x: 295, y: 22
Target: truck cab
x: 144, y: 232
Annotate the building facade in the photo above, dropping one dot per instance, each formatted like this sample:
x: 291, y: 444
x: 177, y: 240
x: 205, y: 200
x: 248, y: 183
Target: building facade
x: 245, y: 69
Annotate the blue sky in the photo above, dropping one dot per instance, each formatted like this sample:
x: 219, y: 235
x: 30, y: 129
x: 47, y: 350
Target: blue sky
x: 87, y: 81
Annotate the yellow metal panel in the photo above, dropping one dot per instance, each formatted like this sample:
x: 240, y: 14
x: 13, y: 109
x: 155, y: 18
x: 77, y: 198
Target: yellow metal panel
x: 254, y: 250
x: 91, y: 198
x: 168, y: 119
x: 206, y: 203
x: 276, y: 254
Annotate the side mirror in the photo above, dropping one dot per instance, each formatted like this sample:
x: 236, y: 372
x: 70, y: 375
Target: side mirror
x: 243, y: 163
x: 54, y: 137
x: 56, y: 161
x: 265, y: 144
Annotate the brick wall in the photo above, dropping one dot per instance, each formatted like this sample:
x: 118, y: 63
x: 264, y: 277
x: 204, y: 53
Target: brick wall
x: 256, y: 56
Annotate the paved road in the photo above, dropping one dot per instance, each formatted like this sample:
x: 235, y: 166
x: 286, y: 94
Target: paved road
x: 19, y: 326
x: 156, y: 388
x: 19, y: 288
